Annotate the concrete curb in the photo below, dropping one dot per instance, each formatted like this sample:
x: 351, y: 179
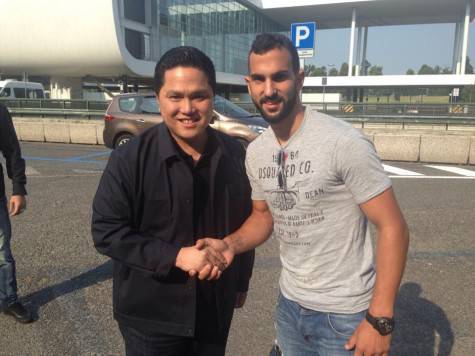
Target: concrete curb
x: 57, y: 130
x: 393, y: 144
x: 445, y: 149
x: 472, y: 150
x: 394, y: 147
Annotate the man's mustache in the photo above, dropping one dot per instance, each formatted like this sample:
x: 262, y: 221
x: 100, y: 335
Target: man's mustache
x: 273, y: 98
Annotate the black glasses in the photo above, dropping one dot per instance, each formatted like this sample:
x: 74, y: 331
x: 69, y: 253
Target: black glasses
x: 281, y: 178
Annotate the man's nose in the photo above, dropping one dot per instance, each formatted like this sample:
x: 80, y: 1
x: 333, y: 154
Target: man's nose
x: 187, y: 106
x: 269, y: 88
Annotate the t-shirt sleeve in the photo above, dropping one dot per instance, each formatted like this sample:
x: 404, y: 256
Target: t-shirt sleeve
x: 359, y: 166
x: 257, y: 191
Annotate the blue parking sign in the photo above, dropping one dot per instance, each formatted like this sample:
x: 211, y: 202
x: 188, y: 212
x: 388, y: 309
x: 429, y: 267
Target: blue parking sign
x: 303, y: 37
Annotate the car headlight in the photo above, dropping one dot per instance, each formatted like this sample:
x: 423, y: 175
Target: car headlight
x: 257, y: 129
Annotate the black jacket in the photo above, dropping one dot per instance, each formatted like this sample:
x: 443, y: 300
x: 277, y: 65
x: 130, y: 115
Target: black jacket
x: 10, y: 149
x: 142, y: 216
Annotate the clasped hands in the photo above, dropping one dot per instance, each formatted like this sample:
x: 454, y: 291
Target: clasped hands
x: 207, y: 259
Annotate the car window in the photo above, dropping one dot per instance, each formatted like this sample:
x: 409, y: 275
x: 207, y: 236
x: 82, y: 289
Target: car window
x: 150, y: 105
x: 139, y: 105
x: 20, y: 92
x: 35, y: 93
x: 228, y: 108
x: 128, y: 104
x: 5, y: 92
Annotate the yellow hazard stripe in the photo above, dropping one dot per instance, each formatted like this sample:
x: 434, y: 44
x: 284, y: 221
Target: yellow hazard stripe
x: 347, y: 108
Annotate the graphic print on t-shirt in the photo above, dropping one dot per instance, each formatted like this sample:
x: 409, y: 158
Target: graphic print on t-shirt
x: 285, y: 196
x: 293, y: 188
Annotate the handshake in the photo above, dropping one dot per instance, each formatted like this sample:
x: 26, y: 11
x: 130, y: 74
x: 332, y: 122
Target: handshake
x: 207, y: 259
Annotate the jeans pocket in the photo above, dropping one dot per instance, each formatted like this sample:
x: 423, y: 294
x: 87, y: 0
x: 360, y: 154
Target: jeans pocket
x: 344, y: 324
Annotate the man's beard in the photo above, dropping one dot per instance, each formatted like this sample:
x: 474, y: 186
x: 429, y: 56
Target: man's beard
x: 287, y: 108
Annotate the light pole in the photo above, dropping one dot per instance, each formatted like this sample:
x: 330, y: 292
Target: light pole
x: 324, y: 84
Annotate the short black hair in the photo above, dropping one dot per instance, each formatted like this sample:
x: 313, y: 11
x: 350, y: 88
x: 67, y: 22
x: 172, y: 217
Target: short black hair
x: 184, y: 56
x: 266, y: 42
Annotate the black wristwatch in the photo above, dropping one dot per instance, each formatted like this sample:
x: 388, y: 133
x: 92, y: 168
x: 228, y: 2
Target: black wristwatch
x: 383, y: 325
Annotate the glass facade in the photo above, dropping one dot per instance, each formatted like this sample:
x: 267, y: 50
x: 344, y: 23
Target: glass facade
x: 224, y: 30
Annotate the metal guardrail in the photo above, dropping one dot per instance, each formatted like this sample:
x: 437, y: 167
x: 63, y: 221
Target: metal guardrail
x: 458, y: 113
x: 85, y: 109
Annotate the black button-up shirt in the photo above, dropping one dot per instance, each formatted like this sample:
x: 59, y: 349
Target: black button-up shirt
x: 143, y: 213
x: 10, y: 149
x: 204, y: 224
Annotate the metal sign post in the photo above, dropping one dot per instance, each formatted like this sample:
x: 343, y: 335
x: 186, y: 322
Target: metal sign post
x: 303, y: 38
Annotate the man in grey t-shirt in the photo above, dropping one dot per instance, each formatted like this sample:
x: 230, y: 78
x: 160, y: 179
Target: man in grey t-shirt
x: 316, y: 181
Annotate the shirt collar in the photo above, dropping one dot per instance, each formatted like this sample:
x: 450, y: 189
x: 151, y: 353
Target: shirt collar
x: 168, y: 149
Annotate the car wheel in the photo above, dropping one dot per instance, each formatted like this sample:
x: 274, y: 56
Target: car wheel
x: 243, y: 142
x: 122, y: 139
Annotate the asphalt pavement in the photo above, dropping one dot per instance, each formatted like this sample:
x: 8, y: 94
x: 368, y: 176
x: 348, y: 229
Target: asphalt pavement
x: 68, y: 284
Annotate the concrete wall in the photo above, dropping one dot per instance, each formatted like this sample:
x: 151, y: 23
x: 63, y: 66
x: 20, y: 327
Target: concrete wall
x: 398, y: 147
x: 65, y: 131
x: 445, y: 149
x: 392, y: 144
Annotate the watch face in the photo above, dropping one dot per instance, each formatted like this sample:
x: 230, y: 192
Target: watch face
x: 384, y: 326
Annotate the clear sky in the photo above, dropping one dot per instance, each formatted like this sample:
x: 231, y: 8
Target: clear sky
x: 396, y: 48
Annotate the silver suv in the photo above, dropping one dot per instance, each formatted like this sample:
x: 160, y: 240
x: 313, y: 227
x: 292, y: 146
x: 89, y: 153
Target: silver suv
x: 130, y: 114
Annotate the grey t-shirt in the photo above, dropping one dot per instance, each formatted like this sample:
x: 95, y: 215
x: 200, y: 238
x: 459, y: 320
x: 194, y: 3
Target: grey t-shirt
x: 329, y: 169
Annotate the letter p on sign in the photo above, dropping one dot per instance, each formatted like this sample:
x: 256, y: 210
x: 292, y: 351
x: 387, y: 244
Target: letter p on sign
x: 302, y: 34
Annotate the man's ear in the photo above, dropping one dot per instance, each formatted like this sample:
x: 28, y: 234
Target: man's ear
x: 300, y: 78
x: 248, y: 83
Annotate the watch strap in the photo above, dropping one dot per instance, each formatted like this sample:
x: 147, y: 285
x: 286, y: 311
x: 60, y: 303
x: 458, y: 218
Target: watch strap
x: 374, y: 321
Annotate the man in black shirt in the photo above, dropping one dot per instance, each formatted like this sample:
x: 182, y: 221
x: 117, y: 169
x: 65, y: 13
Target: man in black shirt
x: 15, y: 165
x: 177, y: 182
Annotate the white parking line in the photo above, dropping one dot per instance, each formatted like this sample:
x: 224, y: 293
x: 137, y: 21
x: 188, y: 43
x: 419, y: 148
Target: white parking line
x: 30, y: 171
x: 456, y: 170
x: 400, y: 171
x: 433, y: 177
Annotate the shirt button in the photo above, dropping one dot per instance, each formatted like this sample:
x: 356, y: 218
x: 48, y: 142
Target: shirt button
x: 188, y: 201
x: 190, y: 332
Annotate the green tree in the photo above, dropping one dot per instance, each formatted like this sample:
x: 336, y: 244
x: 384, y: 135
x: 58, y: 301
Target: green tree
x: 333, y: 72
x: 320, y: 71
x: 364, y: 67
x: 343, y: 69
x: 410, y: 71
x: 375, y: 70
x: 425, y: 69
x: 468, y: 67
x: 446, y: 70
x: 314, y: 71
x: 309, y: 69
x: 468, y: 94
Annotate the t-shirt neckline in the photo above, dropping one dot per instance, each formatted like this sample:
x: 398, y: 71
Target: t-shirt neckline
x: 296, y: 133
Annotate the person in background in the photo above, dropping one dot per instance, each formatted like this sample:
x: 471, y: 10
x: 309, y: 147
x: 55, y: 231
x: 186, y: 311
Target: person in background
x: 15, y: 166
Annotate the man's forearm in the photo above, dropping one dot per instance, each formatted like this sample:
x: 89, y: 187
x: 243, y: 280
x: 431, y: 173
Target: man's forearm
x: 255, y: 231
x: 391, y: 255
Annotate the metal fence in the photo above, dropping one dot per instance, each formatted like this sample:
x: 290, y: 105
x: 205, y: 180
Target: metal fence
x: 459, y: 113
x: 434, y: 113
x: 56, y: 108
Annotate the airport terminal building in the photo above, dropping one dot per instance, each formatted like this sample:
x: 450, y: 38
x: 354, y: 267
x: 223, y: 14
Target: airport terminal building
x: 69, y: 42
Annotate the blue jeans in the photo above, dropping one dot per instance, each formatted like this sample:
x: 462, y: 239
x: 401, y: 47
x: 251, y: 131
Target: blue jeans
x: 8, y: 288
x: 304, y: 332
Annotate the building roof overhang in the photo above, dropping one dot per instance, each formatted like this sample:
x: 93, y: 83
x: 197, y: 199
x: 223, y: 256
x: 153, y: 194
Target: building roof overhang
x: 439, y: 80
x: 337, y: 13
